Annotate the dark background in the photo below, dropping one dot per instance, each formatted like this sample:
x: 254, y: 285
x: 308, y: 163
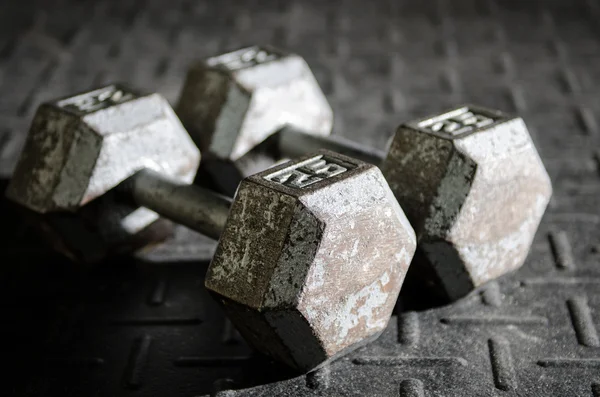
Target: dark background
x: 146, y: 327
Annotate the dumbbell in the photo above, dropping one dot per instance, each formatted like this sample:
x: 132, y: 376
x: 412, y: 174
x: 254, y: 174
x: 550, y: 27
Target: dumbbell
x: 469, y: 179
x: 232, y: 102
x: 82, y: 146
x: 311, y: 254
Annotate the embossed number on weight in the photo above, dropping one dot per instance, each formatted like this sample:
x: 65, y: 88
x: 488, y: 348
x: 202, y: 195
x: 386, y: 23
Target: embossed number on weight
x: 307, y: 172
x: 96, y: 100
x: 243, y: 58
x: 457, y: 122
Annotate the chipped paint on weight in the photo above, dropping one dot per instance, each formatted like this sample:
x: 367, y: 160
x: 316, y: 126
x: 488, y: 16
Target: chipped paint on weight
x: 232, y: 102
x: 330, y: 259
x: 477, y: 210
x: 296, y: 259
x: 347, y: 315
x: 490, y: 260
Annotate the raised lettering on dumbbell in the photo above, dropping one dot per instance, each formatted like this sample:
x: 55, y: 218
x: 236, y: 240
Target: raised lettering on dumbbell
x: 307, y: 172
x: 243, y: 58
x: 96, y: 100
x: 457, y: 122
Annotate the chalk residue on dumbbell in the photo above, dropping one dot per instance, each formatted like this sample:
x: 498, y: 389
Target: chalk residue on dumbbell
x: 311, y: 255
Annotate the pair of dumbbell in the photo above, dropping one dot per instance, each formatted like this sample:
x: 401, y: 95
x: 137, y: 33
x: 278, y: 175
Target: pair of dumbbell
x: 469, y: 179
x: 313, y: 252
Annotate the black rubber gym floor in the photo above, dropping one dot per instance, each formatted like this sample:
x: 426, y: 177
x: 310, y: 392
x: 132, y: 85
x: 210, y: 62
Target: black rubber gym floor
x: 146, y: 327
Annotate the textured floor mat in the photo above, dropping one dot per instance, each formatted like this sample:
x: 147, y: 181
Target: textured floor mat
x: 147, y: 327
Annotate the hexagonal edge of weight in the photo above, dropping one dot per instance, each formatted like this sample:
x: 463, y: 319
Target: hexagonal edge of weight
x: 451, y: 194
x: 138, y: 134
x: 58, y: 152
x: 354, y: 280
x: 282, y: 334
x: 186, y: 146
x: 284, y: 92
x: 424, y: 158
x: 251, y: 244
x: 353, y: 284
x: 509, y: 195
x: 295, y: 260
x: 204, y: 105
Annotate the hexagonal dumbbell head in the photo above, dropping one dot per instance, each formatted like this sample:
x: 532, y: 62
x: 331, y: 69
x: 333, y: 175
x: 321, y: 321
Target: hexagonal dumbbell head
x: 312, y: 258
x: 232, y: 102
x: 474, y: 188
x: 81, y: 147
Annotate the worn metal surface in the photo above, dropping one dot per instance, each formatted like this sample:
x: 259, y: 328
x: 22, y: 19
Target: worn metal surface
x: 232, y: 102
x: 474, y: 188
x: 186, y: 204
x: 81, y: 147
x: 137, y: 329
x: 312, y: 258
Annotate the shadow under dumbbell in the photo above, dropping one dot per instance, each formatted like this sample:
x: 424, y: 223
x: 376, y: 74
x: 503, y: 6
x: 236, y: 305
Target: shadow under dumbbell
x: 68, y: 327
x: 421, y: 289
x: 126, y: 321
x: 224, y: 176
x: 19, y: 241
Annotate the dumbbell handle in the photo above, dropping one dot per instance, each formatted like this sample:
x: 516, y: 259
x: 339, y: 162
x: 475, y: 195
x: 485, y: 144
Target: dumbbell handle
x: 294, y: 143
x: 190, y: 205
x: 205, y: 211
